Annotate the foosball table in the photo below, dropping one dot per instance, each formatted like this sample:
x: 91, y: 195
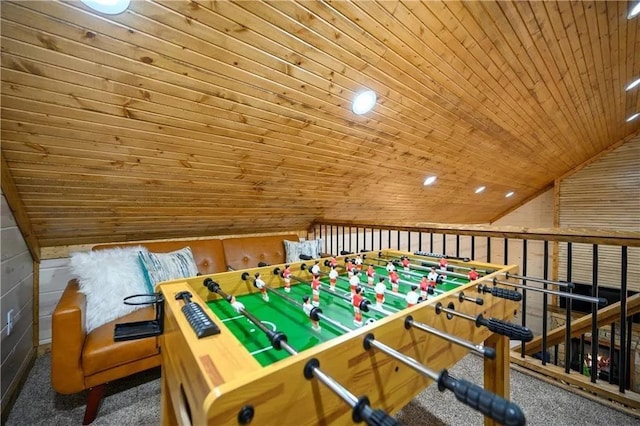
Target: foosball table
x: 299, y: 344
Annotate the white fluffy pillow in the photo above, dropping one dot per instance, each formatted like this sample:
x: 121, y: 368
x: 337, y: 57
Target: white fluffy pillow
x: 293, y: 249
x: 106, y: 277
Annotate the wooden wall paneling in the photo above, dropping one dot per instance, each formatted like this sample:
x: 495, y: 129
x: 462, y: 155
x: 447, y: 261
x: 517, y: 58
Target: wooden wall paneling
x: 17, y: 207
x: 604, y: 194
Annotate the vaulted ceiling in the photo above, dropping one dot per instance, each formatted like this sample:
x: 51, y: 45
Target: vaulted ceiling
x: 187, y: 118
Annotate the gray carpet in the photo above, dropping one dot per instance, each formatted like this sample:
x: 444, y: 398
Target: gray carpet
x: 136, y: 401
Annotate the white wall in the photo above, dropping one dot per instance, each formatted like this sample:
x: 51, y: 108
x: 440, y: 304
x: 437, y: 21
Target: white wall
x: 54, y: 276
x: 16, y: 294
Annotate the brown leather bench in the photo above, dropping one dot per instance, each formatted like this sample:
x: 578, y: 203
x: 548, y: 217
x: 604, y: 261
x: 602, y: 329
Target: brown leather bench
x: 81, y: 361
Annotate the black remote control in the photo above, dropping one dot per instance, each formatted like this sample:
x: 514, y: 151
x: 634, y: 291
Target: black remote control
x: 198, y: 319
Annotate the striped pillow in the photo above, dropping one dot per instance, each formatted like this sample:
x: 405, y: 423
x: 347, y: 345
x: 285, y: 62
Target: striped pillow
x: 159, y: 267
x: 293, y: 249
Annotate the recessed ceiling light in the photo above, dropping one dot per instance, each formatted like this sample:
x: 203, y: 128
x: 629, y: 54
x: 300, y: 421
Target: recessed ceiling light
x: 363, y: 102
x: 633, y: 117
x: 110, y: 7
x: 632, y: 85
x: 509, y: 194
x: 428, y: 181
x: 634, y: 11
x: 480, y: 189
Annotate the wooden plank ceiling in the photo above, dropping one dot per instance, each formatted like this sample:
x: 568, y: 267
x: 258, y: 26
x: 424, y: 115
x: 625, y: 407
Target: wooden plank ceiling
x: 185, y: 118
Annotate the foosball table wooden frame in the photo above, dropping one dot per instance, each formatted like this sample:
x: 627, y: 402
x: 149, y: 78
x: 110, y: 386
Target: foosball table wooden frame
x: 215, y: 381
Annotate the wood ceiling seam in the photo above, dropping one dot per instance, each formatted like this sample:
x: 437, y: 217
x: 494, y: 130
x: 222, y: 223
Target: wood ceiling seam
x: 591, y: 43
x: 307, y: 32
x: 540, y: 44
x: 580, y: 59
x: 394, y: 62
x: 102, y: 121
x: 501, y: 55
x: 456, y: 26
x: 510, y: 23
x: 560, y: 42
x: 360, y: 4
x: 491, y: 120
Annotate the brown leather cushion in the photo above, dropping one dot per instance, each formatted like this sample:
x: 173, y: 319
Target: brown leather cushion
x: 102, y: 353
x: 208, y: 254
x: 247, y: 252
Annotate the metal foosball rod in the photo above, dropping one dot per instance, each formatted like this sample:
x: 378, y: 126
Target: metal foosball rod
x: 539, y: 280
x: 498, y: 292
x: 601, y: 301
x: 315, y: 314
x: 512, y: 331
x: 365, y: 305
x: 423, y: 268
x: 480, y: 349
x: 461, y: 296
x: 470, y: 394
x: 362, y: 410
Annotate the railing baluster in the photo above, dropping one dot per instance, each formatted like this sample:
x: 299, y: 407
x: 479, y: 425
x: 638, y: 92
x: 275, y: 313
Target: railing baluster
x: 488, y: 249
x: 444, y: 244
x: 568, y: 307
x: 473, y: 247
x: 505, y: 253
x: 524, y: 293
x: 545, y: 262
x: 457, y: 245
x: 431, y: 242
x: 612, y: 351
x: 595, y: 338
x: 623, y: 355
x: 420, y: 241
x: 357, y: 250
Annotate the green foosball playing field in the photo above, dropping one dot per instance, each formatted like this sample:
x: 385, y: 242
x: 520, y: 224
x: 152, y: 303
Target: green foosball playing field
x: 285, y: 314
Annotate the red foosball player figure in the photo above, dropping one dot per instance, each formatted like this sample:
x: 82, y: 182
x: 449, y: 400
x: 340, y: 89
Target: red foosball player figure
x: 443, y: 263
x: 315, y: 269
x: 357, y: 299
x: 354, y: 281
x: 412, y: 296
x: 333, y: 278
x: 380, y: 288
x: 262, y: 286
x: 286, y: 274
x: 358, y: 262
x: 315, y: 290
x: 370, y: 274
x: 424, y: 287
x: 473, y: 274
x: 405, y: 263
x: 333, y: 261
x: 349, y: 266
x: 307, y: 306
x: 394, y: 278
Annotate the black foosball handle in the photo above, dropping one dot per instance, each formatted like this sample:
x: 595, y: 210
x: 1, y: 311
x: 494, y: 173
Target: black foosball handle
x: 489, y: 404
x: 512, y: 331
x: 363, y: 412
x: 500, y: 292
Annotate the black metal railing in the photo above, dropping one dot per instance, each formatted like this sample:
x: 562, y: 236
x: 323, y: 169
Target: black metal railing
x: 476, y: 243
